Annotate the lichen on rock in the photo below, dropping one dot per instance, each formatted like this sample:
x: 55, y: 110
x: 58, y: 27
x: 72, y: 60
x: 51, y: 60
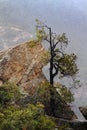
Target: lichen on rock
x: 23, y: 65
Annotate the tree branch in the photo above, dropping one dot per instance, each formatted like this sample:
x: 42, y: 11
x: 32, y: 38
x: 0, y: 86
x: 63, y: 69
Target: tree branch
x: 56, y: 69
x: 64, y: 73
x: 42, y: 26
x: 47, y: 40
x: 56, y: 44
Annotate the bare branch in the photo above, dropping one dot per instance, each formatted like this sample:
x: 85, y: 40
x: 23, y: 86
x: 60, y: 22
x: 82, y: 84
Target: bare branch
x: 42, y: 26
x: 56, y: 69
x: 47, y: 40
x: 56, y: 43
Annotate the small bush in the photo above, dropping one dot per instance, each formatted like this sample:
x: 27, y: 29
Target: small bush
x: 9, y: 93
x: 61, y: 108
x: 32, y: 43
x: 15, y: 117
x: 30, y: 118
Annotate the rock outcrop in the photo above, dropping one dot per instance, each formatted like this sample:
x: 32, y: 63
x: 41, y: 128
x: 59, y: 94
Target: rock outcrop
x: 23, y: 64
x: 84, y: 111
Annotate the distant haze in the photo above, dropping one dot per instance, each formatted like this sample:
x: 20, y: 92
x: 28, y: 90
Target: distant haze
x: 17, y: 24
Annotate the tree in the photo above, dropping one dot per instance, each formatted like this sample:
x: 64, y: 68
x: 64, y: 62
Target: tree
x: 61, y: 63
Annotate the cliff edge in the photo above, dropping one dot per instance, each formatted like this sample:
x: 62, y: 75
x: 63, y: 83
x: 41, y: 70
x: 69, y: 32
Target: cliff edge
x: 23, y: 64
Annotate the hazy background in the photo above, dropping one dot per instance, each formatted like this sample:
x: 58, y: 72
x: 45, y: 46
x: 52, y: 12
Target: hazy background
x: 17, y: 24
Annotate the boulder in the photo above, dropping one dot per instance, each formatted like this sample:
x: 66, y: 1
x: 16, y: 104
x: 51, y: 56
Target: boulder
x: 84, y: 111
x: 23, y: 64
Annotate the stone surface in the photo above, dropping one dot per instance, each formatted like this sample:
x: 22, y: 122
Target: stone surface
x: 74, y: 124
x: 22, y: 64
x: 84, y: 111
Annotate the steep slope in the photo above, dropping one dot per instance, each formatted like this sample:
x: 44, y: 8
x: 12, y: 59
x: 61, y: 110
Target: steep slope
x: 23, y: 64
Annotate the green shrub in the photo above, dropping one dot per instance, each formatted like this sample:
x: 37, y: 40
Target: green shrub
x: 31, y: 118
x: 9, y: 93
x: 33, y: 43
x: 15, y: 117
x: 61, y: 98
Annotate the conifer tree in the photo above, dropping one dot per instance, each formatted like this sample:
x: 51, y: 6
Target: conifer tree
x: 61, y: 63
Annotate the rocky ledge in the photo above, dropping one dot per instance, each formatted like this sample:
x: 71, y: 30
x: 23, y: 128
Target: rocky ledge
x: 23, y: 64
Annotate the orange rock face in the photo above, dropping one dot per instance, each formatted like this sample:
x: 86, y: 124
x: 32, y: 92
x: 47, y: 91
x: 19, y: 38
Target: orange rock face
x: 23, y: 65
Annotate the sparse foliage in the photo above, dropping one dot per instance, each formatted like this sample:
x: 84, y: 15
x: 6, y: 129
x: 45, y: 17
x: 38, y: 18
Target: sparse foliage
x: 33, y: 43
x: 59, y: 60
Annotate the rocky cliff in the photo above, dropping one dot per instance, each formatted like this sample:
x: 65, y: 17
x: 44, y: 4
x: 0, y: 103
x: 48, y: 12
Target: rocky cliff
x: 23, y: 64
